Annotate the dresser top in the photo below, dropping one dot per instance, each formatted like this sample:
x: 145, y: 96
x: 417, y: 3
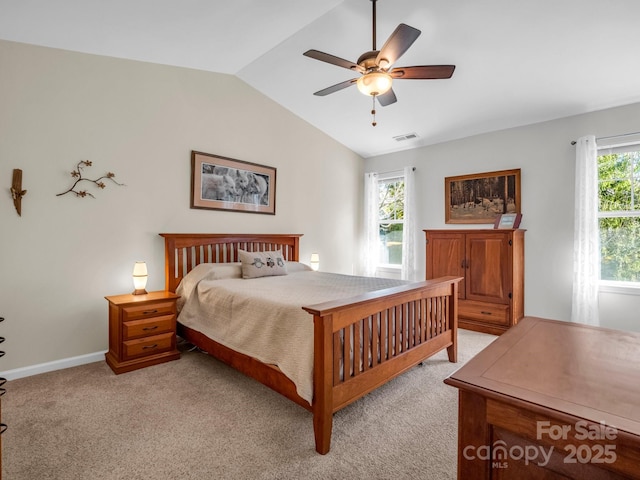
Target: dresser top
x: 588, y: 372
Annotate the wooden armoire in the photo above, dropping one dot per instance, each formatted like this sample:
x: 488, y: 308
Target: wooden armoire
x: 491, y: 297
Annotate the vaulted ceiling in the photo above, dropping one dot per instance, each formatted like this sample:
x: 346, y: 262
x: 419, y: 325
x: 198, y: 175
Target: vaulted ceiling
x: 517, y: 62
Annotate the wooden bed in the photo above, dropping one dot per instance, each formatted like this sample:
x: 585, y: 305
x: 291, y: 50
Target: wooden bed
x: 423, y: 315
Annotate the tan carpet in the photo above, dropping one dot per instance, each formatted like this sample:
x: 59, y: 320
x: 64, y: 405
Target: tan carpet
x: 196, y: 418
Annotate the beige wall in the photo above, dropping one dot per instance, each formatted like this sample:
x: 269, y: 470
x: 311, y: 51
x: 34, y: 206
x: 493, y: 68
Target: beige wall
x: 141, y: 122
x: 546, y: 158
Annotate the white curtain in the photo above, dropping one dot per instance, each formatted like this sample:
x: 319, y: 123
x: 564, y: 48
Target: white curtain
x: 409, y: 230
x: 371, y: 234
x: 586, y: 244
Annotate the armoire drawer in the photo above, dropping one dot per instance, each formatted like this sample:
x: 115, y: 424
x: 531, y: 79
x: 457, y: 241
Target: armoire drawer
x: 494, y: 313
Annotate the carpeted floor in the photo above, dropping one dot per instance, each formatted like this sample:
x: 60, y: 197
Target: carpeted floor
x: 196, y: 418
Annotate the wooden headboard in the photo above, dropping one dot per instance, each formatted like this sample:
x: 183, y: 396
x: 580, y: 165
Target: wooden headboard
x: 184, y: 251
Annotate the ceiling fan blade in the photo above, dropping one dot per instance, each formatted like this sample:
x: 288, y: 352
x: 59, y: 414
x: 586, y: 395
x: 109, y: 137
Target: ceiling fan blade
x: 387, y: 98
x: 335, y: 88
x: 332, y: 59
x: 424, y: 72
x: 398, y: 43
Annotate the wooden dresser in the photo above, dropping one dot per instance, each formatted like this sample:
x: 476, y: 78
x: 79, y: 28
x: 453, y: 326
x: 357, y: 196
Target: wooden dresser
x: 551, y: 400
x: 142, y: 330
x: 491, y: 297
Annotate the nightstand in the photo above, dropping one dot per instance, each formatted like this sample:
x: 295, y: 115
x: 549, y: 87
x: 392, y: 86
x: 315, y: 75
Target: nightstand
x: 142, y: 330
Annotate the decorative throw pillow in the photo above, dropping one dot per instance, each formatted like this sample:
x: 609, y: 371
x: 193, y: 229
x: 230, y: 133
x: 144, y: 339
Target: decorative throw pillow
x: 262, y: 264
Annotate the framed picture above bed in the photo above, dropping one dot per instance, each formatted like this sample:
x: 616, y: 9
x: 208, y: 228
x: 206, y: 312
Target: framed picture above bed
x: 221, y: 183
x: 481, y: 197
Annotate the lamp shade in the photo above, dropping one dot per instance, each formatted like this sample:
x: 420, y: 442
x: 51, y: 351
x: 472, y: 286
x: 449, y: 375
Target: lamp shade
x: 140, y: 278
x: 315, y: 261
x: 374, y: 83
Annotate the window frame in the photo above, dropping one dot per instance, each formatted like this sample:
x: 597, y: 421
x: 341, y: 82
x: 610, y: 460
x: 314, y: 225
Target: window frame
x: 619, y: 286
x: 390, y: 177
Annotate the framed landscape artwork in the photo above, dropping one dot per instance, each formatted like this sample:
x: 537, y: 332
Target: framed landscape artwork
x: 482, y: 197
x: 221, y: 183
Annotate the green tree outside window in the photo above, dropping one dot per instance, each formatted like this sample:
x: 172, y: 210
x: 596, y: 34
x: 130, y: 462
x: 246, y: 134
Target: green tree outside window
x: 391, y: 218
x: 619, y: 216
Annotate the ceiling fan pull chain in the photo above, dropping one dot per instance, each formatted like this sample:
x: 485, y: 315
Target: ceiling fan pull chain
x: 373, y: 110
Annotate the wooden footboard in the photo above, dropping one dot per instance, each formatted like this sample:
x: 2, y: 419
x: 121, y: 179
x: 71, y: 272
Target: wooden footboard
x: 363, y: 342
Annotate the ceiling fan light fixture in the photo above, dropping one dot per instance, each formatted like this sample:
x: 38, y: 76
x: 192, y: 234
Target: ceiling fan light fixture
x: 374, y: 83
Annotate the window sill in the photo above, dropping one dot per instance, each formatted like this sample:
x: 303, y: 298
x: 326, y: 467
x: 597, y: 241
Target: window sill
x: 389, y: 267
x: 625, y: 288
x: 389, y: 271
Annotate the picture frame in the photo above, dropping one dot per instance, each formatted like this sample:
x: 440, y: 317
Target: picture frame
x: 222, y: 183
x: 481, y: 197
x: 508, y: 221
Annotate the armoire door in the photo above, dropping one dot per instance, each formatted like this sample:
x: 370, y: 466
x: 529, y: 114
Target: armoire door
x: 446, y: 256
x: 487, y: 267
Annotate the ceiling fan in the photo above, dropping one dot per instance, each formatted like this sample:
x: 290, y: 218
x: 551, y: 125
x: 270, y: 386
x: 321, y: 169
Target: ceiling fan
x: 376, y: 66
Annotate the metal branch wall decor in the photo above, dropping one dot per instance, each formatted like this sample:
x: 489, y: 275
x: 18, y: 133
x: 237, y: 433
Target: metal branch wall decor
x: 16, y: 190
x: 77, y: 174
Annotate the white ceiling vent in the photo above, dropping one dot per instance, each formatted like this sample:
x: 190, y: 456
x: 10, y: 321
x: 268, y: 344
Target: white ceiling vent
x: 408, y: 136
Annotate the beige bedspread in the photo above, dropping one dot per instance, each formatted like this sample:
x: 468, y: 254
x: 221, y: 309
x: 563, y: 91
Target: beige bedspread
x: 263, y: 317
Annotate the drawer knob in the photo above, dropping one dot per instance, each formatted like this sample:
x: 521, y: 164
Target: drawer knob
x: 150, y: 328
x: 149, y: 347
x: 486, y: 313
x: 149, y: 312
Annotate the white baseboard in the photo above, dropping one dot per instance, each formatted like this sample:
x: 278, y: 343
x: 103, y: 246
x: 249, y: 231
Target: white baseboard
x: 52, y: 366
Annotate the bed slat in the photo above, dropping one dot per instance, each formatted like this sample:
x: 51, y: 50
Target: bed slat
x: 360, y: 346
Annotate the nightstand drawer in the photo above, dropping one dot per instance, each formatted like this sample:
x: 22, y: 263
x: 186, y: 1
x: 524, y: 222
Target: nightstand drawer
x: 145, y: 311
x: 148, y: 326
x: 148, y: 345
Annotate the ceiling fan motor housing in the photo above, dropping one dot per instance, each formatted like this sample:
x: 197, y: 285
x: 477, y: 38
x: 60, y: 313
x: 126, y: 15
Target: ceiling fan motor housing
x: 368, y: 60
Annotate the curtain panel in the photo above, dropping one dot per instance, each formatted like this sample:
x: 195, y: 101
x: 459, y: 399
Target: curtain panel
x: 409, y: 229
x: 586, y: 239
x: 371, y: 234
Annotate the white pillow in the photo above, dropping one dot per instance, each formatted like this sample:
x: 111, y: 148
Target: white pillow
x: 220, y: 271
x: 293, y: 267
x: 262, y: 264
x: 206, y: 271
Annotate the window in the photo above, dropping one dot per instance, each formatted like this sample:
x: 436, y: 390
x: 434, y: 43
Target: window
x: 390, y: 220
x: 619, y: 214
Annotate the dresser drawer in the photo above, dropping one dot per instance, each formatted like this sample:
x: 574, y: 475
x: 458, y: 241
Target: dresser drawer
x: 148, y: 326
x: 144, y: 311
x: 148, y: 345
x: 484, y: 312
